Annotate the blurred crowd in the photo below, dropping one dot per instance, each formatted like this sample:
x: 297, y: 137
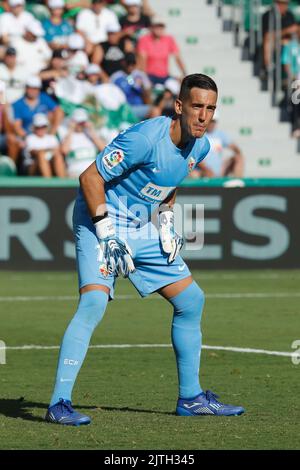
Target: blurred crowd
x: 74, y: 73
x: 281, y: 12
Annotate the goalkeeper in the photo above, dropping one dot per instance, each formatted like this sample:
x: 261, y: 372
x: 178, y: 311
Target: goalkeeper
x: 136, y: 174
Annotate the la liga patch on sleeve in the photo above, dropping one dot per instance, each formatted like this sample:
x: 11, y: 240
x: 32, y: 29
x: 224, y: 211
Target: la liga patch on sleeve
x: 113, y: 158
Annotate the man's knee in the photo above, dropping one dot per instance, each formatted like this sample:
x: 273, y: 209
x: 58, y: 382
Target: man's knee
x: 189, y: 303
x: 91, y: 307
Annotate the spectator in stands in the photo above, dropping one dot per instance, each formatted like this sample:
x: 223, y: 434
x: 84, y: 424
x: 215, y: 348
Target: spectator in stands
x: 146, y: 9
x: 14, y: 22
x: 154, y: 50
x: 33, y: 52
x: 112, y: 51
x: 288, y: 28
x: 94, y: 75
x: 56, y: 70
x: 164, y: 103
x: 42, y: 155
x: 291, y: 63
x: 24, y: 109
x: 215, y: 164
x: 80, y: 144
x: 135, y: 21
x: 56, y: 28
x: 136, y: 86
x: 4, y: 121
x: 13, y: 75
x: 93, y: 23
x: 97, y: 84
x: 78, y: 59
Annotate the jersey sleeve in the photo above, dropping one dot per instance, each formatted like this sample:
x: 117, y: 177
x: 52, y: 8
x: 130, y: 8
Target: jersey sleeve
x: 127, y: 151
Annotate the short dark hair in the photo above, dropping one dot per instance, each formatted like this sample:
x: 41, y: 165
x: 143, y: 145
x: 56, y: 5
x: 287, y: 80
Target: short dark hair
x: 198, y: 80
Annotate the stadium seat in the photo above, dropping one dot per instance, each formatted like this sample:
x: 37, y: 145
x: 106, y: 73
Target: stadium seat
x: 40, y: 12
x: 7, y: 166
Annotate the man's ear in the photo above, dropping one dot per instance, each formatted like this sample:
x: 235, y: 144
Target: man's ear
x: 178, y: 106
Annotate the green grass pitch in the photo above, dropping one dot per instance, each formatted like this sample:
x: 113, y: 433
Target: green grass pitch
x: 131, y: 393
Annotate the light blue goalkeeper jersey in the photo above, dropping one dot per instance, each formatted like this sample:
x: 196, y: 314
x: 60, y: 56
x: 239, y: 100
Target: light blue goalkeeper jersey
x: 142, y: 166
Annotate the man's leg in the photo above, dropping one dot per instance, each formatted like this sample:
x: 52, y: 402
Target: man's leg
x: 91, y: 308
x: 187, y: 299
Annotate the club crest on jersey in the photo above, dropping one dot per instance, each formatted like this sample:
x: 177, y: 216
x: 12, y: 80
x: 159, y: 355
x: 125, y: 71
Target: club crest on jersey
x: 103, y: 270
x: 191, y: 163
x: 113, y: 158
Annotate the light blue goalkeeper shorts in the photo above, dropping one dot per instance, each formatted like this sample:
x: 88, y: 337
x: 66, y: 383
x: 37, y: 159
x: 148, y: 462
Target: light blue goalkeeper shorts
x: 152, y: 269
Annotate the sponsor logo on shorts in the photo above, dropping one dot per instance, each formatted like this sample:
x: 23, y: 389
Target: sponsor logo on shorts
x: 113, y: 158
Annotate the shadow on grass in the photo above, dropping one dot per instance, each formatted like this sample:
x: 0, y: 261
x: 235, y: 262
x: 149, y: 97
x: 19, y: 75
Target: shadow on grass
x: 21, y: 408
x: 136, y: 410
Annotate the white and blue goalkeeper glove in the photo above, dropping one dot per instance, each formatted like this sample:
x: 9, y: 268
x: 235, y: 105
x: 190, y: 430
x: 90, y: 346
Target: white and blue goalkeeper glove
x: 114, y: 254
x: 171, y: 242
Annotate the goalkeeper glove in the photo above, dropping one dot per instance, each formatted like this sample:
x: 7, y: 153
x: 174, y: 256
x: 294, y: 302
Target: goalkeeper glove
x: 170, y: 240
x: 114, y: 254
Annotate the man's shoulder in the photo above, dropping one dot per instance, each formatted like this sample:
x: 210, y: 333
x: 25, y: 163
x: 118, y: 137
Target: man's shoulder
x: 289, y: 17
x: 85, y: 13
x: 153, y: 129
x: 107, y: 13
x: 143, y: 136
x: 145, y: 39
x: 20, y: 103
x: 7, y: 15
x: 3, y: 69
x: 45, y: 98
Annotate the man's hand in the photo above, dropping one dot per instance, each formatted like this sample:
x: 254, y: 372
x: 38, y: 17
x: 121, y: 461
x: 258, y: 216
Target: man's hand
x: 170, y: 240
x: 114, y: 254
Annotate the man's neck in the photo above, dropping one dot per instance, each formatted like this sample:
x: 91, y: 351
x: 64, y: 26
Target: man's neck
x: 31, y: 101
x: 56, y: 20
x: 177, y: 136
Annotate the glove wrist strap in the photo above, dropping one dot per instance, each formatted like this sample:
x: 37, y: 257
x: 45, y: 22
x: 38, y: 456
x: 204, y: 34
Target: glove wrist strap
x: 98, y: 218
x: 105, y: 228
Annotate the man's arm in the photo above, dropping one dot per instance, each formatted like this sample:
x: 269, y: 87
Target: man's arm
x: 180, y: 63
x: 169, y: 202
x: 92, y: 185
x: 57, y: 116
x: 205, y: 171
x: 114, y: 253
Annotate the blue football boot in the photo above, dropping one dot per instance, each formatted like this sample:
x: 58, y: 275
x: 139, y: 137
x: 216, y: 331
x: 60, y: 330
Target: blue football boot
x: 206, y: 404
x: 63, y: 413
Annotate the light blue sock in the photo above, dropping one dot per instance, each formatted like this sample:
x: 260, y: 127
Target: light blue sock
x: 76, y: 341
x: 187, y: 338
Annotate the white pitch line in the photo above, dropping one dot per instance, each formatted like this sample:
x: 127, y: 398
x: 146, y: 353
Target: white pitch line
x: 229, y: 295
x: 144, y: 346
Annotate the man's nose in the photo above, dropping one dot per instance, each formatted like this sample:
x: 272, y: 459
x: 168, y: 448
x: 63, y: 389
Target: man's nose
x: 202, y: 115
